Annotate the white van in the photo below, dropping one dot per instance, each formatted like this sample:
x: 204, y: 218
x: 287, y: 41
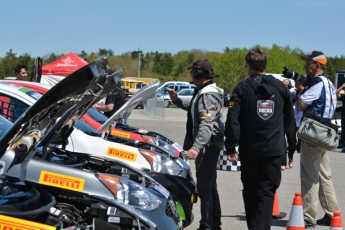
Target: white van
x: 281, y: 78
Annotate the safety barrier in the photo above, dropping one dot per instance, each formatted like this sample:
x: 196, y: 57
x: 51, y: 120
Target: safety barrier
x: 155, y: 108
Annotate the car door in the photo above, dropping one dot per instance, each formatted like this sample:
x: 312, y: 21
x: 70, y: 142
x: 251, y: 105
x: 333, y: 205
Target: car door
x: 186, y: 95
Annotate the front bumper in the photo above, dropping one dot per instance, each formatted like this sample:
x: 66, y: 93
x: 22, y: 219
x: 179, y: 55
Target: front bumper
x: 181, y: 190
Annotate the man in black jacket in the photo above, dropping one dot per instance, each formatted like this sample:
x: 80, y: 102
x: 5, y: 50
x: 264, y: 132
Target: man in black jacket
x: 259, y: 114
x: 113, y: 101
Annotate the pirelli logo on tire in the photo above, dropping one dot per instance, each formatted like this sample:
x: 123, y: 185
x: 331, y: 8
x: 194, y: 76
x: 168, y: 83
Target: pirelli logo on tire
x: 122, y: 154
x: 61, y: 181
x: 11, y: 223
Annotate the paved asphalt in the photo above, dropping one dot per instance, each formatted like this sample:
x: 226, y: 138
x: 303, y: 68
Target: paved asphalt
x: 229, y: 184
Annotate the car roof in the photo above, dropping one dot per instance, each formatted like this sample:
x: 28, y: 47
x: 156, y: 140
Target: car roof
x: 19, y: 91
x: 186, y: 89
x: 39, y: 87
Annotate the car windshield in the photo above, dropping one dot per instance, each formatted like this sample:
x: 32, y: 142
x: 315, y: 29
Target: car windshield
x: 4, y: 126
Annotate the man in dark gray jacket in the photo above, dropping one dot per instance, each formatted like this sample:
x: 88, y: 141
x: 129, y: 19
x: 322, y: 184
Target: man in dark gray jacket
x: 204, y: 139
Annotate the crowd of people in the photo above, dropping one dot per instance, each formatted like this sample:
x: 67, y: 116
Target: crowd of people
x: 262, y: 115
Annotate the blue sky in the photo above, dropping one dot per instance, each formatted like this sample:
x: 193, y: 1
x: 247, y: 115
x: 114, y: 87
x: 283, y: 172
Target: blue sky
x: 40, y: 27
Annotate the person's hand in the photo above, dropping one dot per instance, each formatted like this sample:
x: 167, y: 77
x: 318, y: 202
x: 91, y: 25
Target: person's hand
x: 191, y: 154
x: 299, y: 85
x: 232, y: 157
x: 172, y: 94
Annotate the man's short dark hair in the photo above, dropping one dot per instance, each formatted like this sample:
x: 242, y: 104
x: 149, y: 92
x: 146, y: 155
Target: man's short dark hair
x: 19, y: 67
x: 257, y: 59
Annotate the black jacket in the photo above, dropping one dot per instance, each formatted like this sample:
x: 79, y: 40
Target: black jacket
x: 117, y: 99
x: 258, y: 117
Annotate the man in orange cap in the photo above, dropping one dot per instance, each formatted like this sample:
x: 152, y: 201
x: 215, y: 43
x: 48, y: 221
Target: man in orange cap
x: 319, y: 97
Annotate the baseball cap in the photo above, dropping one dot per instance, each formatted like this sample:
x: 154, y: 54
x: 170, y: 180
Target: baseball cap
x: 202, y: 64
x: 316, y: 56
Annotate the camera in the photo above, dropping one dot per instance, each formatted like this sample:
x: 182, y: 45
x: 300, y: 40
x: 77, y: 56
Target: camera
x: 289, y: 73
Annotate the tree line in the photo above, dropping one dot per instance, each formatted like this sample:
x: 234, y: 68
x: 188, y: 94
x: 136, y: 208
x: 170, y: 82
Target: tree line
x: 229, y: 64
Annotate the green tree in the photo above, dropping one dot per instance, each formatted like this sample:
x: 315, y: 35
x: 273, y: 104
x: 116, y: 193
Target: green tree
x: 105, y: 52
x: 9, y: 63
x: 180, y: 62
x: 163, y: 63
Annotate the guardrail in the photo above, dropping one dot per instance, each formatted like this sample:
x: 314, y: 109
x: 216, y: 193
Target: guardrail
x: 155, y: 108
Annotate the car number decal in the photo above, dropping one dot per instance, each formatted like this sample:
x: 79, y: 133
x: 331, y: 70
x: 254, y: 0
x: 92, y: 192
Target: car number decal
x: 61, y: 181
x: 120, y: 153
x: 9, y: 223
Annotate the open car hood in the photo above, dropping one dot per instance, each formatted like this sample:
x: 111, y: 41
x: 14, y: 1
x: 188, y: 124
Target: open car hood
x: 56, y: 112
x: 147, y: 92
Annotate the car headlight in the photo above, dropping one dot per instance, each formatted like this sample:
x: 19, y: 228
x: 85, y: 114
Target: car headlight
x: 160, y: 143
x: 130, y: 193
x: 161, y: 163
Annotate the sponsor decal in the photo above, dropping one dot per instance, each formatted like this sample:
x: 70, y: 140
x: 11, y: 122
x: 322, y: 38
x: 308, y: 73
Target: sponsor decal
x: 68, y: 62
x: 24, y: 90
x: 11, y: 223
x: 122, y: 154
x: 231, y: 103
x: 120, y: 134
x: 265, y: 109
x: 61, y: 181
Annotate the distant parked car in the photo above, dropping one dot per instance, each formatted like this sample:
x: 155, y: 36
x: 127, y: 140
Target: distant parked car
x: 176, y: 87
x: 185, y: 95
x: 163, y: 85
x: 227, y: 99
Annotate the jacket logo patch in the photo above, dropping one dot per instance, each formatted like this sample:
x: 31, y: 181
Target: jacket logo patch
x: 206, y: 115
x: 61, y: 181
x: 265, y: 109
x: 11, y: 223
x: 120, y: 134
x: 120, y: 153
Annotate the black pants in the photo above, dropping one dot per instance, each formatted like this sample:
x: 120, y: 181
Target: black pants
x: 292, y: 142
x: 261, y: 177
x: 206, y: 174
x: 342, y: 137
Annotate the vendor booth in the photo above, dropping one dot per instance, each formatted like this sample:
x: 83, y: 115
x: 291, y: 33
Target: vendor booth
x: 54, y: 72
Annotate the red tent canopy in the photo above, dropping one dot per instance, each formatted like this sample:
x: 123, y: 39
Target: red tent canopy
x: 64, y: 66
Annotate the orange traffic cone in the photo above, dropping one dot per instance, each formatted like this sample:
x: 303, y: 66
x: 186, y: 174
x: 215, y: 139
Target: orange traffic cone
x: 276, y: 214
x: 296, y: 219
x: 336, y: 223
